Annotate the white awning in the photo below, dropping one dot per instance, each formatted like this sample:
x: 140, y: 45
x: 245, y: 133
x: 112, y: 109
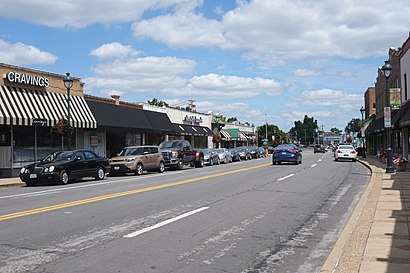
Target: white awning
x: 225, y: 135
x: 20, y: 106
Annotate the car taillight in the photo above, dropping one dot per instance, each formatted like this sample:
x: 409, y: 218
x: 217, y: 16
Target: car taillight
x: 292, y: 151
x: 276, y: 151
x: 197, y: 154
x: 353, y: 152
x: 339, y: 151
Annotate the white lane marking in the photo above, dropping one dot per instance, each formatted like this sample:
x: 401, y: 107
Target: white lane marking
x: 319, y: 160
x: 314, y: 165
x: 166, y: 222
x: 285, y: 177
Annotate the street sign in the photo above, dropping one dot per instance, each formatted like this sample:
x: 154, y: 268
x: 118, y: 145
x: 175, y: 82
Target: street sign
x: 265, y: 142
x: 39, y: 122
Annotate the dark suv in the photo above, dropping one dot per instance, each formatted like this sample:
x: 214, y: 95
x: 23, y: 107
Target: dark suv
x: 318, y: 148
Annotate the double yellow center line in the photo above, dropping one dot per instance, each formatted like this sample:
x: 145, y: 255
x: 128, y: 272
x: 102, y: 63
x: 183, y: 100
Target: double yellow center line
x: 120, y: 194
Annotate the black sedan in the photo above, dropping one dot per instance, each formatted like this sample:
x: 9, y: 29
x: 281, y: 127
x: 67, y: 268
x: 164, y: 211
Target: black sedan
x: 287, y: 153
x: 64, y: 167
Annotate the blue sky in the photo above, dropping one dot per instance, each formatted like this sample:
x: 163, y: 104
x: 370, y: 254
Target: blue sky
x: 243, y: 58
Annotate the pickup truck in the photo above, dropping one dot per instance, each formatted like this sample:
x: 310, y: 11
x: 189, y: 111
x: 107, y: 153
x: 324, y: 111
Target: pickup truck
x: 177, y: 153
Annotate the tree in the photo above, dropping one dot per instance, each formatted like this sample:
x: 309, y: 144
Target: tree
x: 336, y: 131
x: 304, y: 131
x: 353, y: 125
x: 157, y: 102
x: 232, y: 119
x: 273, y: 130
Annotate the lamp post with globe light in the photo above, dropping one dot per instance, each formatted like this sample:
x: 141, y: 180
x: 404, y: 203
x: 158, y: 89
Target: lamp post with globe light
x: 362, y: 110
x: 386, y: 70
x: 68, y: 84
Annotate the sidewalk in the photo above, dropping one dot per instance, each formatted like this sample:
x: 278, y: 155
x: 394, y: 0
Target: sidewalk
x: 376, y: 238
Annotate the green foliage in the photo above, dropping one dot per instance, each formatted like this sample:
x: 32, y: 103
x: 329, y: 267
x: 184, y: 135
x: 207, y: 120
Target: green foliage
x: 353, y: 125
x: 157, y: 102
x: 336, y: 131
x: 304, y: 131
x: 273, y: 130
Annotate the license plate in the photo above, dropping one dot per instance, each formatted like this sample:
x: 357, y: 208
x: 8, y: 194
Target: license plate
x: 283, y: 153
x: 116, y: 168
x: 33, y: 175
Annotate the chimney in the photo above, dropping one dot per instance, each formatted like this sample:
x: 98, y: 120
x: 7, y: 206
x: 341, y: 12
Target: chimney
x: 116, y: 98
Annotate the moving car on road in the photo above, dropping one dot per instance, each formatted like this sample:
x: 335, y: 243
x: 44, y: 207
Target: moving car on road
x: 64, y: 167
x: 287, y: 153
x: 318, y: 148
x: 137, y: 159
x: 346, y: 152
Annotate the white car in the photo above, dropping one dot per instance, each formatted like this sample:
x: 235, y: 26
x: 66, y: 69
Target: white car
x: 345, y: 152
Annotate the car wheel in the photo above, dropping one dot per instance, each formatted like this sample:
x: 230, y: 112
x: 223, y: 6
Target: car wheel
x: 353, y: 160
x: 225, y: 160
x: 336, y: 159
x: 30, y: 183
x: 200, y: 163
x: 180, y: 164
x: 161, y: 167
x: 64, y: 177
x: 274, y: 162
x: 100, y: 173
x: 211, y: 162
x: 139, y: 169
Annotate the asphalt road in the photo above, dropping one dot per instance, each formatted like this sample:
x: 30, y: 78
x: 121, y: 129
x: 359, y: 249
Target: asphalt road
x: 248, y: 216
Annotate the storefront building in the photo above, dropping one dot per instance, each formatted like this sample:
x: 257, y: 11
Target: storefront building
x: 33, y: 106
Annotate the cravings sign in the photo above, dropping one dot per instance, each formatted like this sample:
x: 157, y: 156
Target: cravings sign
x: 16, y: 77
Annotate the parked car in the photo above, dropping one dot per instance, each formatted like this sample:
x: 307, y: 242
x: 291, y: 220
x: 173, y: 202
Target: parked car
x: 287, y: 153
x: 346, y: 152
x: 244, y: 153
x: 254, y: 151
x: 137, y: 159
x: 64, y: 167
x: 318, y: 148
x: 235, y: 154
x: 224, y: 155
x: 262, y: 152
x: 177, y: 153
x: 210, y: 157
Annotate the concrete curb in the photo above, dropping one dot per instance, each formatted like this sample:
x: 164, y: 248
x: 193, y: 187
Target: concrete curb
x: 347, y: 253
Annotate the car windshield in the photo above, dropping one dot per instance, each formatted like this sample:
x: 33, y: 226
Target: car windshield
x: 131, y: 151
x: 170, y: 144
x: 285, y: 147
x: 64, y: 156
x: 345, y: 147
x: 51, y: 157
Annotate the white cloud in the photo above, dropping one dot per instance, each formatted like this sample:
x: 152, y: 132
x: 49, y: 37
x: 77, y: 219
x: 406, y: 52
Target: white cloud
x: 76, y: 13
x: 306, y: 73
x: 113, y: 50
x: 22, y: 54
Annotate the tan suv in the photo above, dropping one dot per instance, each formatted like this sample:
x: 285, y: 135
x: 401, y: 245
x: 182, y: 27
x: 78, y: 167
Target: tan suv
x: 136, y: 159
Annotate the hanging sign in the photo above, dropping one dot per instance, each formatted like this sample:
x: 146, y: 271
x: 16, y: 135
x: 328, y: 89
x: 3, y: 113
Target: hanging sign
x: 387, y: 117
x: 395, y: 98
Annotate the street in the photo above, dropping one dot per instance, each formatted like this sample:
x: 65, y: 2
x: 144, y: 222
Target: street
x: 247, y: 216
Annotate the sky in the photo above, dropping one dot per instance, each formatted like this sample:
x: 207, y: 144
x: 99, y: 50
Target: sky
x: 260, y: 61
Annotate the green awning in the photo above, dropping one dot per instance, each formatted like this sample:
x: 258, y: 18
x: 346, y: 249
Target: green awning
x: 234, y: 133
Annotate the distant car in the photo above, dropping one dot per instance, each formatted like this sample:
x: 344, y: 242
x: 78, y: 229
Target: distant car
x: 254, y: 151
x: 210, y: 157
x: 235, y: 154
x: 64, y: 167
x: 224, y: 155
x: 137, y: 159
x: 318, y: 148
x: 262, y: 152
x: 244, y: 153
x: 287, y: 153
x: 346, y: 152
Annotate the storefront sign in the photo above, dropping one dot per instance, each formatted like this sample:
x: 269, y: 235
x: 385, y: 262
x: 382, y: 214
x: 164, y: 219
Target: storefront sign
x: 193, y: 119
x: 39, y: 121
x: 16, y: 77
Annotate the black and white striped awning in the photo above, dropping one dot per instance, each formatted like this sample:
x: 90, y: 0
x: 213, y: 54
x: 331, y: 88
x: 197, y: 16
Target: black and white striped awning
x: 19, y: 106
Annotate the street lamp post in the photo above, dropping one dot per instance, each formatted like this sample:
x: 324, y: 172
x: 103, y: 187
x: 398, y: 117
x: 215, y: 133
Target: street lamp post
x: 362, y: 110
x: 386, y: 70
x: 68, y: 84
